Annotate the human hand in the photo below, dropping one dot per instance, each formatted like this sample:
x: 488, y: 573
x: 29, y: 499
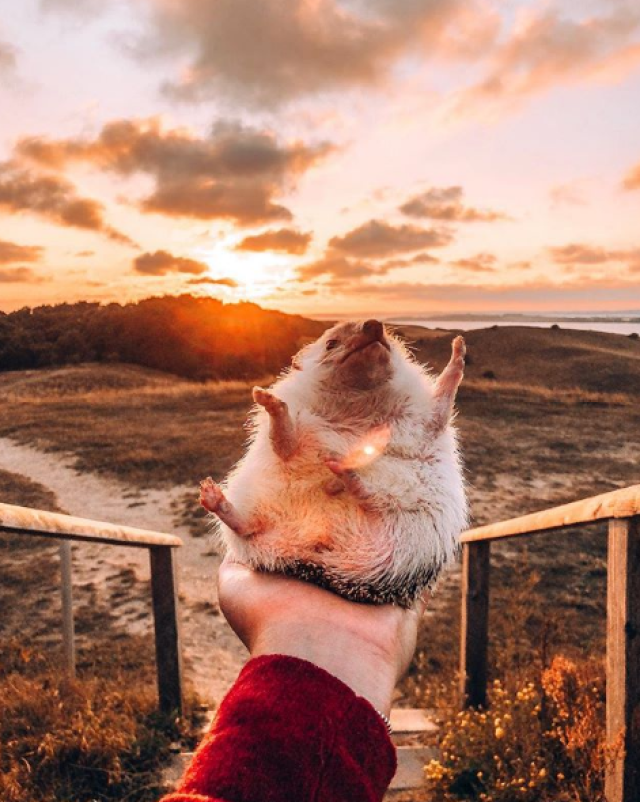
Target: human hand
x: 368, y: 647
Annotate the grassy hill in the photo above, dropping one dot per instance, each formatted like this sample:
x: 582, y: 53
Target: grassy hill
x: 545, y: 417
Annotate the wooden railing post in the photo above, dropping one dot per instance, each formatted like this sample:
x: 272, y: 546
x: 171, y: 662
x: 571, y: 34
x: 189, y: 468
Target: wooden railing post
x: 622, y: 783
x: 164, y: 593
x: 68, y: 632
x: 475, y: 624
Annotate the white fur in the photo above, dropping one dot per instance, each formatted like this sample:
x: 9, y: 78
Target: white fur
x: 418, y: 508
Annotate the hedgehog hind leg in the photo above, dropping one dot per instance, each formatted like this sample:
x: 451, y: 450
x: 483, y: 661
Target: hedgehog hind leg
x: 214, y: 500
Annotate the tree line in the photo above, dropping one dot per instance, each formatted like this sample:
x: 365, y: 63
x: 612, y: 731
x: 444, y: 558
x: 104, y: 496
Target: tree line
x: 199, y: 338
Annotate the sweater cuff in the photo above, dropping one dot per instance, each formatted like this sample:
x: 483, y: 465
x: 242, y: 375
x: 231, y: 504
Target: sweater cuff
x: 291, y: 730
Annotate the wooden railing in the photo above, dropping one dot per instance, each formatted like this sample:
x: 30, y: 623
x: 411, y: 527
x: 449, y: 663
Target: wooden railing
x: 621, y: 508
x: 164, y: 592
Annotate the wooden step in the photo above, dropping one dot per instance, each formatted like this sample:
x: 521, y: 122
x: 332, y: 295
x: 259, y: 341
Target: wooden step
x: 411, y: 759
x: 411, y: 763
x: 410, y: 773
x: 412, y: 720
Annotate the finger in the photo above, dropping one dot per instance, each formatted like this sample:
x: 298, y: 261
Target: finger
x: 422, y: 603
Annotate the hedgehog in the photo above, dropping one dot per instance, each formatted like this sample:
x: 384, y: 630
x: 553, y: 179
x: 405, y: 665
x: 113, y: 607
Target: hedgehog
x: 352, y: 477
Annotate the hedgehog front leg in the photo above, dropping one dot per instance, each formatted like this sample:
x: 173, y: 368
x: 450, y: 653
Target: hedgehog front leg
x: 282, y: 430
x: 214, y: 500
x: 446, y: 388
x: 351, y: 481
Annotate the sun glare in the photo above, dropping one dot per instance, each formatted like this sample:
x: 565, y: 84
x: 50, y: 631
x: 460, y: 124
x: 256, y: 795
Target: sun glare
x: 258, y: 274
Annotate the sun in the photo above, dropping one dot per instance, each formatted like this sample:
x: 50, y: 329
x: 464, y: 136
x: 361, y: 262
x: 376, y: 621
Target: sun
x: 258, y: 274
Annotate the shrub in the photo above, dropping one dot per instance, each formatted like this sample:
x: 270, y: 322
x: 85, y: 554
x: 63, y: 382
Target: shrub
x: 542, y: 741
x: 97, y: 738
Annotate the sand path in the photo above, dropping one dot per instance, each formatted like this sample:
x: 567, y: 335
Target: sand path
x: 212, y: 654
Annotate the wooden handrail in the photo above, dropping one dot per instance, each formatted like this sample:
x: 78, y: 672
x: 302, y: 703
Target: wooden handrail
x: 25, y: 521
x: 621, y: 508
x: 623, y: 503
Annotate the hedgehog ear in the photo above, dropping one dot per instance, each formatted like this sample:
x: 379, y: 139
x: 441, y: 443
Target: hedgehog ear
x: 296, y: 362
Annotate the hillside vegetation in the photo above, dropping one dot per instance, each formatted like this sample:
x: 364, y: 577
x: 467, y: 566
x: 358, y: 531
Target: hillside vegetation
x: 200, y: 338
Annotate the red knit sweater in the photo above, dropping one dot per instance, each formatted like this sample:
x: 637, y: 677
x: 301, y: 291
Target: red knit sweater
x: 288, y: 731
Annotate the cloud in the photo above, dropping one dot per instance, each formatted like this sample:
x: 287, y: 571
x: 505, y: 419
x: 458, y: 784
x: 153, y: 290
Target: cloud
x: 480, y: 263
x: 235, y: 173
x: 283, y: 240
x: 418, y: 259
x: 299, y: 48
x: 577, y: 253
x: 632, y: 179
x: 160, y: 263
x: 223, y: 282
x: 545, y: 50
x: 7, y: 57
x: 445, y: 203
x: 10, y: 253
x: 567, y: 194
x: 80, y: 8
x: 377, y: 240
x: 584, y: 254
x: 336, y: 267
x: 53, y: 198
x: 417, y: 296
x: 20, y: 275
x: 340, y: 268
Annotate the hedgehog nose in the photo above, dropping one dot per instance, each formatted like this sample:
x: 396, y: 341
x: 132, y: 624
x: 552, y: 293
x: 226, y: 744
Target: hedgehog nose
x: 373, y: 329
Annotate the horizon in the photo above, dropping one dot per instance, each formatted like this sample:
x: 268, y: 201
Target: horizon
x: 421, y: 159
x: 557, y: 315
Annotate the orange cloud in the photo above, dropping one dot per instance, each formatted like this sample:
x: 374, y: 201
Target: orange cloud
x: 284, y: 240
x: 53, y: 198
x: 222, y: 282
x: 547, y: 50
x: 445, y: 203
x: 161, y: 263
x: 480, y: 263
x: 337, y: 268
x: 377, y: 239
x: 584, y: 254
x: 300, y: 48
x: 235, y: 173
x: 20, y: 275
x: 632, y: 179
x: 10, y: 253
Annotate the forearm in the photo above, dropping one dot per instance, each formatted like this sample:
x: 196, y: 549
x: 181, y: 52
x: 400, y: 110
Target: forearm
x: 290, y: 730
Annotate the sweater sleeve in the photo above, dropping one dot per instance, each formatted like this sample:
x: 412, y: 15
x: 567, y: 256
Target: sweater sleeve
x: 288, y: 730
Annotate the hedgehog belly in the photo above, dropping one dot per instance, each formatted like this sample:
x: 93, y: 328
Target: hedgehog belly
x: 401, y: 591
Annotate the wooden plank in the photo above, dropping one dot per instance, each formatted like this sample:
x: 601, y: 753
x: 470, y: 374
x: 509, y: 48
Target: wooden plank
x: 164, y: 591
x: 622, y: 503
x: 28, y: 522
x: 474, y: 632
x: 411, y: 720
x: 622, y: 782
x: 68, y: 635
x: 411, y: 763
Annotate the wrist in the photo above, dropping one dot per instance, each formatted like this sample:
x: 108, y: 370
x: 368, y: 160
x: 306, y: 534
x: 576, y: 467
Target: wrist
x: 356, y: 663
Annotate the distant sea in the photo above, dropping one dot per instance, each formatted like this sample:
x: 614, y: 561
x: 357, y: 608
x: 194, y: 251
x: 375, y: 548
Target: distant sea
x: 615, y: 324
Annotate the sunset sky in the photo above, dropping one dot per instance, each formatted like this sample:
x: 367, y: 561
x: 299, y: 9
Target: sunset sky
x: 322, y: 156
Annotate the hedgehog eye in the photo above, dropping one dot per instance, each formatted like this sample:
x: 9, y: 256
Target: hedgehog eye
x: 331, y: 344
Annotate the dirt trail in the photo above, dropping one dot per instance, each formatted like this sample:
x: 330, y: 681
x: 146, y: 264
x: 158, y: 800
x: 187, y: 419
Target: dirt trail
x: 213, y: 655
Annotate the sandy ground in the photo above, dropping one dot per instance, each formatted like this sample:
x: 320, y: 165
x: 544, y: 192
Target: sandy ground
x: 212, y: 653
